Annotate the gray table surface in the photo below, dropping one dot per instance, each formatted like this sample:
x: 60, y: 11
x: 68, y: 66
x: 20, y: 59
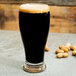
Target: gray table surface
x: 12, y: 55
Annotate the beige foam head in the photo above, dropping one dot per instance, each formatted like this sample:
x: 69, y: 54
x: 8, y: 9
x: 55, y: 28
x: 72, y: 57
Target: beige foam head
x: 34, y: 8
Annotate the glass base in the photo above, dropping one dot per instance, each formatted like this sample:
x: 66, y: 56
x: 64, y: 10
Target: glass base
x: 34, y: 68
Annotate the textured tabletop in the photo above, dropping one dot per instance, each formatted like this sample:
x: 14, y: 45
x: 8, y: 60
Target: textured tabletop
x: 12, y: 55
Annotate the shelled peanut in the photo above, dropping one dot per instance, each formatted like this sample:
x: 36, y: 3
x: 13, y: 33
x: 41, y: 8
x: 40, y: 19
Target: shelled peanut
x: 59, y: 55
x: 59, y: 51
x: 73, y: 48
x: 46, y: 48
x: 65, y: 55
x: 74, y: 52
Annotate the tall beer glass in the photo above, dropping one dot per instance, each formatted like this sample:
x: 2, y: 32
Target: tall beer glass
x: 34, y: 26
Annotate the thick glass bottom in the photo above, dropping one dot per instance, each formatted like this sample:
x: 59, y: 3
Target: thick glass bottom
x: 34, y: 68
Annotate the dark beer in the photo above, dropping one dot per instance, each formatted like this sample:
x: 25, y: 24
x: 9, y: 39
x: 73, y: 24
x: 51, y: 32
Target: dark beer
x: 34, y: 27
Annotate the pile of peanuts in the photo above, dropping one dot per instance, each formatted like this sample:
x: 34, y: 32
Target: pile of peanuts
x: 63, y: 50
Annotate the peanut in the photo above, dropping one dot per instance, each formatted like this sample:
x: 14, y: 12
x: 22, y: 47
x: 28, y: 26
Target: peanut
x: 65, y: 55
x: 59, y: 55
x: 74, y: 52
x: 68, y: 44
x: 62, y: 46
x: 59, y: 51
x: 73, y: 47
x: 46, y: 48
x: 65, y: 49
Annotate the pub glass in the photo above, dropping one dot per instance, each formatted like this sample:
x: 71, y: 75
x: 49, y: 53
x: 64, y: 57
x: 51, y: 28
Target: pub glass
x: 34, y: 19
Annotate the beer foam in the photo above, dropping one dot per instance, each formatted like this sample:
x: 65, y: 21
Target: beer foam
x: 34, y: 8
